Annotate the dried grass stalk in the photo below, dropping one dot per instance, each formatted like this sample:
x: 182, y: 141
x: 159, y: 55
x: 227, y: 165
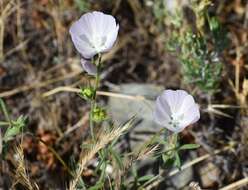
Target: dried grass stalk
x: 21, y: 173
x: 102, y: 140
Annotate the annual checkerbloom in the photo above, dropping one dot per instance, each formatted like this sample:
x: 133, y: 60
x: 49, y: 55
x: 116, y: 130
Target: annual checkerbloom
x: 94, y: 33
x: 175, y: 110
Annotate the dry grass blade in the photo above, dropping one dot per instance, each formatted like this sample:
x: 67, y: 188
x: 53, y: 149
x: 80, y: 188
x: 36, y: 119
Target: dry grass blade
x: 101, y: 93
x: 21, y: 173
x: 6, y: 10
x: 236, y: 185
x: 38, y: 85
x: 102, y: 140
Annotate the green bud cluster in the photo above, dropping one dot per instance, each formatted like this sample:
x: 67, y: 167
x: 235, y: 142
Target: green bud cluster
x: 87, y: 93
x: 99, y: 114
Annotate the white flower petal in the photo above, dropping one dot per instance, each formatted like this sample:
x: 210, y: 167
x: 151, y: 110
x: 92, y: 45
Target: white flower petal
x: 187, y: 103
x: 163, y: 105
x: 161, y: 120
x: 174, y: 98
x: 111, y: 38
x: 162, y: 111
x: 94, y: 33
x: 176, y: 109
x: 83, y: 48
x: 191, y: 116
x: 159, y: 117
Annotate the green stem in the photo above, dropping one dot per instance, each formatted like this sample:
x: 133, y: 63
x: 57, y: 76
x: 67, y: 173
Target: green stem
x: 93, y: 101
x: 4, y: 123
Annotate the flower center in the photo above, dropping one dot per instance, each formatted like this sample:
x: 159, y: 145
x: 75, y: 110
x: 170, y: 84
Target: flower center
x: 98, y: 43
x: 176, y: 119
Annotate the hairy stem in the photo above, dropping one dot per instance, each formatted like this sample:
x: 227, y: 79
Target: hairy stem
x: 93, y: 101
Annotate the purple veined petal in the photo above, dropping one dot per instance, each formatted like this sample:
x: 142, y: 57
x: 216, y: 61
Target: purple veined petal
x: 89, y: 67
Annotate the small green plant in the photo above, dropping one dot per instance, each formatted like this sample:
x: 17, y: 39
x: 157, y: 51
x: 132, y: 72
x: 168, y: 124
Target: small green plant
x: 10, y: 127
x: 82, y: 5
x: 198, y: 43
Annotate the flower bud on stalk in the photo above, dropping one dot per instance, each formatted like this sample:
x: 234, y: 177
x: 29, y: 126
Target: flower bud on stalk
x: 99, y: 114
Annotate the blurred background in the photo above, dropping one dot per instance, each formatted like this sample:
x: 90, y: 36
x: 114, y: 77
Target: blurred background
x: 201, y: 47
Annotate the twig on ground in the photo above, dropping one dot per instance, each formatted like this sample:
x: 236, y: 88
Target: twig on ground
x: 236, y: 184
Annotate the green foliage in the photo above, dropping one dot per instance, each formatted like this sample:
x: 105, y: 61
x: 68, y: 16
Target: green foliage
x: 97, y: 186
x: 218, y: 34
x: 171, y: 152
x: 11, y: 127
x: 4, y: 110
x: 15, y: 129
x: 138, y: 182
x: 198, y: 46
x: 172, y: 157
x: 159, y: 10
x: 82, y: 5
x: 200, y: 66
x: 189, y: 146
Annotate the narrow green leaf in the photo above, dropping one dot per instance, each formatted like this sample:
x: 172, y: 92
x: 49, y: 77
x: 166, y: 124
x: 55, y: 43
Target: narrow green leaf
x: 117, y: 158
x: 97, y: 186
x: 178, y: 160
x: 165, y: 158
x: 189, y: 146
x: 145, y: 178
x: 4, y: 110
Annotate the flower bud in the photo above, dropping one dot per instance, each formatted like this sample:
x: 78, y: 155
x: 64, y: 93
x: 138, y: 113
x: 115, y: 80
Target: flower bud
x: 99, y: 114
x: 87, y: 93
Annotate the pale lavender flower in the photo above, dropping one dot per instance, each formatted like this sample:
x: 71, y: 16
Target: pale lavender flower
x: 175, y: 110
x: 94, y: 33
x: 89, y: 67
